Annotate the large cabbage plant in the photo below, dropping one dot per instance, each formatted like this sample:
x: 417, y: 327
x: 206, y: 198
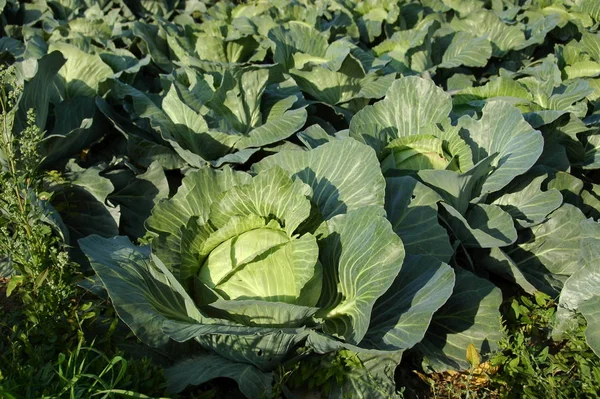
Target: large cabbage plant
x: 253, y: 267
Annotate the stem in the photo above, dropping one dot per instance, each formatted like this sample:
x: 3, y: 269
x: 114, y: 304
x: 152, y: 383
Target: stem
x: 12, y: 167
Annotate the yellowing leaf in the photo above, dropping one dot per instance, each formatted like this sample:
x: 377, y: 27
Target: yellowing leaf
x: 473, y: 356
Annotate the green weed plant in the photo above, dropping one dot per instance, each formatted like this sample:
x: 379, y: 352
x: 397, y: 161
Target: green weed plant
x: 44, y: 352
x: 532, y: 365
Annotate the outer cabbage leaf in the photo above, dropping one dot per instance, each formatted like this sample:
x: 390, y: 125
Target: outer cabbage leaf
x: 343, y: 174
x: 37, y: 92
x: 412, y: 209
x: 552, y: 253
x: 401, y: 113
x: 197, y: 370
x: 471, y: 316
x: 372, y: 371
x: 468, y: 50
x: 592, y: 152
x: 260, y: 313
x: 484, y: 226
x: 590, y: 310
x: 584, y: 283
x: 265, y: 351
x: 501, y: 87
x: 296, y: 37
x: 402, y: 315
x: 143, y: 147
x: 136, y: 196
x: 458, y: 189
x: 142, y: 294
x: 237, y: 110
x: 331, y: 86
x: 223, y: 50
x: 81, y: 202
x: 485, y: 23
x: 527, y: 203
x: 78, y: 124
x: 81, y: 74
x: 155, y: 45
x: 373, y: 379
x: 501, y: 264
x: 502, y: 130
x: 361, y: 258
x: 581, y: 291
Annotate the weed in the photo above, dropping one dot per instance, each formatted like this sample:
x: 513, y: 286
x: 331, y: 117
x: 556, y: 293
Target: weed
x: 318, y: 373
x: 529, y: 364
x: 532, y: 365
x: 34, y: 254
x: 43, y: 351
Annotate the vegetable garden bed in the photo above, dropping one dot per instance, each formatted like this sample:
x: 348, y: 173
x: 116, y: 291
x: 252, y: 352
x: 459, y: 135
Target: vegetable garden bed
x: 333, y: 198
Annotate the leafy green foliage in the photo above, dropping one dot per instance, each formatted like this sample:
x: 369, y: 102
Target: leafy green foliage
x: 354, y: 180
x: 40, y: 311
x: 251, y: 282
x: 320, y: 373
x: 32, y: 250
x: 531, y: 364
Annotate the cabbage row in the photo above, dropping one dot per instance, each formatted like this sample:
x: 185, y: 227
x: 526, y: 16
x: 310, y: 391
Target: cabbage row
x: 252, y: 184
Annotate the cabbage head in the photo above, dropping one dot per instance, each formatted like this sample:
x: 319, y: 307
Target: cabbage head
x: 409, y: 134
x: 416, y: 153
x: 246, y: 271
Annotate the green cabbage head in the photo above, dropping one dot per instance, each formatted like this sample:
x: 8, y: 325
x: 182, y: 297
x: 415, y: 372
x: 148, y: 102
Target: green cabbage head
x: 417, y: 153
x: 253, y: 267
